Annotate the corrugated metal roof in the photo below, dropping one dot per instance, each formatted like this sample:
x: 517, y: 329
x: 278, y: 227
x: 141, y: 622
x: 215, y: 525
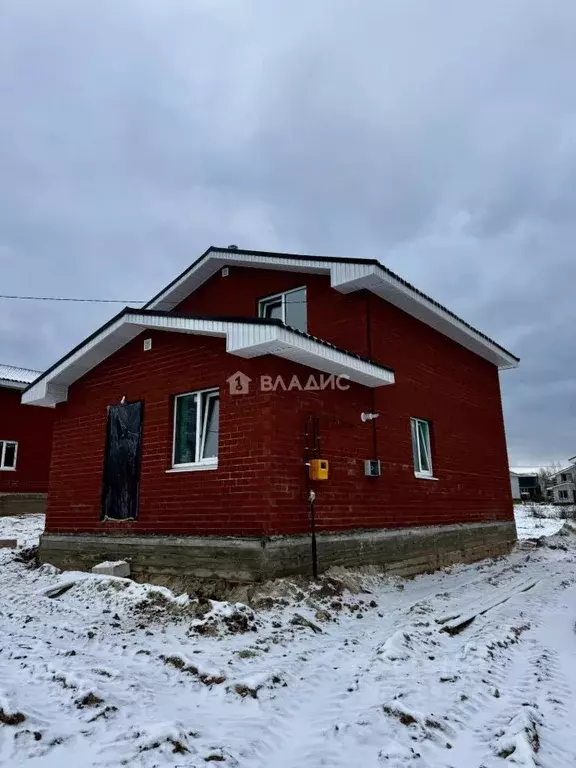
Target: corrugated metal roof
x: 17, y: 375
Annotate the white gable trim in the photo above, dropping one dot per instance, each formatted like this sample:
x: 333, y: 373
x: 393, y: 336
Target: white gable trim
x: 242, y: 339
x: 345, y: 277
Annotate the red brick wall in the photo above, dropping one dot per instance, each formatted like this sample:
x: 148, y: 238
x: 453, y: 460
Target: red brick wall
x: 260, y: 486
x: 332, y: 316
x: 31, y: 427
x: 437, y: 380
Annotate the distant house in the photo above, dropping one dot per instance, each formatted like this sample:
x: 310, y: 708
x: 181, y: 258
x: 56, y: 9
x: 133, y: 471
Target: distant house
x: 25, y: 445
x: 515, y: 486
x: 525, y: 485
x: 262, y: 396
x: 562, y: 488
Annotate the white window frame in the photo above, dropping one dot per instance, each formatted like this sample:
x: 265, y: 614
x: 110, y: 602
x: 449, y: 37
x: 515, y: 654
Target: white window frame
x: 418, y: 471
x: 274, y: 298
x: 3, y: 444
x: 209, y: 463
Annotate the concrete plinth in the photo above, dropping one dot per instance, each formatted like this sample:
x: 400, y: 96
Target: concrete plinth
x: 22, y: 504
x: 172, y: 560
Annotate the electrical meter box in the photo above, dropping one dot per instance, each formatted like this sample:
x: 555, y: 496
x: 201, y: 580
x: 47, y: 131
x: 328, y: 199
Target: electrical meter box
x: 318, y: 469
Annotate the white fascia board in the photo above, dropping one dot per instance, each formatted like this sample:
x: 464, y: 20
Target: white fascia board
x: 215, y: 260
x: 242, y: 339
x: 306, y: 351
x: 345, y: 277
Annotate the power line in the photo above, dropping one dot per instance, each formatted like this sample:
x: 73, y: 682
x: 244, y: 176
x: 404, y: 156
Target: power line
x: 92, y: 301
x: 67, y: 298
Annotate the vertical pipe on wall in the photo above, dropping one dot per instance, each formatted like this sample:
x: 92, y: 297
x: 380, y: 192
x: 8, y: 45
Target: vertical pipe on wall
x: 312, y: 444
x: 372, y: 390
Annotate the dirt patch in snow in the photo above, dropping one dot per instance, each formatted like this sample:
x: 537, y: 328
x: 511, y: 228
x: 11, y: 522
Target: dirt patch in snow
x: 11, y: 718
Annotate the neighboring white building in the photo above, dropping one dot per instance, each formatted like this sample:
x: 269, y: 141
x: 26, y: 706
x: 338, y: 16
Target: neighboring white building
x: 515, y: 485
x: 525, y: 484
x: 562, y: 488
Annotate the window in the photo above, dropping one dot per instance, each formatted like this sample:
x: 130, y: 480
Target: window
x: 290, y: 307
x: 8, y: 453
x: 421, y: 449
x: 563, y: 495
x: 563, y: 477
x: 196, y: 418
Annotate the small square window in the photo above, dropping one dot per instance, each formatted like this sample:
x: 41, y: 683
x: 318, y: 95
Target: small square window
x: 8, y: 454
x: 421, y: 447
x: 290, y: 307
x: 196, y: 424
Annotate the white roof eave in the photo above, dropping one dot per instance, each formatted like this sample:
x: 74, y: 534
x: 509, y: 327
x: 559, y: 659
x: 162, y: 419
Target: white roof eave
x: 345, y: 277
x: 242, y: 339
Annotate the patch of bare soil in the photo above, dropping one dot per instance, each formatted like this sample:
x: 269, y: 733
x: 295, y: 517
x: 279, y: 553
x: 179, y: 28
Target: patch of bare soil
x: 178, y: 663
x: 11, y: 718
x: 90, y: 700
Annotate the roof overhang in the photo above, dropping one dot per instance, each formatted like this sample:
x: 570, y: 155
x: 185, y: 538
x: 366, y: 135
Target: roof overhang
x: 564, y: 469
x: 346, y: 276
x: 243, y: 339
x: 10, y: 384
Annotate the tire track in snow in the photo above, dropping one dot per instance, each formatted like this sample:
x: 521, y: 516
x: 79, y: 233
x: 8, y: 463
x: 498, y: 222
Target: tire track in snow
x: 342, y: 700
x: 520, y: 690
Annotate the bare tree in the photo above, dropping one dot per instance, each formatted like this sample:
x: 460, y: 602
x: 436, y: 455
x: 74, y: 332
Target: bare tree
x: 544, y: 478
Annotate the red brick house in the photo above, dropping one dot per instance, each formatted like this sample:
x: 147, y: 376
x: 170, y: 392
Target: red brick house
x: 187, y: 432
x: 25, y: 445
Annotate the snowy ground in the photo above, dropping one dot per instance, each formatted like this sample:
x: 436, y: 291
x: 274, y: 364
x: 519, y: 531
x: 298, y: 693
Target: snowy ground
x: 536, y: 520
x: 474, y: 666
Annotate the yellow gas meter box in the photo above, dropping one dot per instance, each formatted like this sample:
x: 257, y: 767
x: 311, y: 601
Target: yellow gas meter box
x: 318, y: 469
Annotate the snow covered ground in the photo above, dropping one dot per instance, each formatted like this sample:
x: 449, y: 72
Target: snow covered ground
x: 536, y: 520
x: 473, y: 666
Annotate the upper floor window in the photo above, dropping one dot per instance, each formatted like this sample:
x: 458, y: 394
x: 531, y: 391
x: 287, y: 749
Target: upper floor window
x: 421, y: 447
x: 290, y: 307
x: 563, y: 477
x: 196, y: 423
x: 8, y: 453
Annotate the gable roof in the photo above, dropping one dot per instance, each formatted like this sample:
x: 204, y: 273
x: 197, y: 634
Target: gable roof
x: 16, y: 378
x: 346, y: 276
x: 245, y: 337
x: 563, y: 470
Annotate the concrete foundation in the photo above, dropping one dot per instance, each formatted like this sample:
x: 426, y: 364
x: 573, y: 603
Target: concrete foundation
x: 174, y: 560
x: 22, y: 504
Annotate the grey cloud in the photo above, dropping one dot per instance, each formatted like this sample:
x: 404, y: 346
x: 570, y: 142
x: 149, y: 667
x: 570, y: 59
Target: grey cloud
x: 437, y: 137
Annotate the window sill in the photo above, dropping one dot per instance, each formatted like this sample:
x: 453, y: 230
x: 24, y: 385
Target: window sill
x: 192, y: 468
x: 7, y: 469
x: 420, y: 476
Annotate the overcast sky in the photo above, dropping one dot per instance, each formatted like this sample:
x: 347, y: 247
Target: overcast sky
x: 439, y: 137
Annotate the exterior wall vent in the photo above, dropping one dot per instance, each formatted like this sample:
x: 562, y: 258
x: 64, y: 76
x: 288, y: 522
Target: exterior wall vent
x: 372, y: 468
